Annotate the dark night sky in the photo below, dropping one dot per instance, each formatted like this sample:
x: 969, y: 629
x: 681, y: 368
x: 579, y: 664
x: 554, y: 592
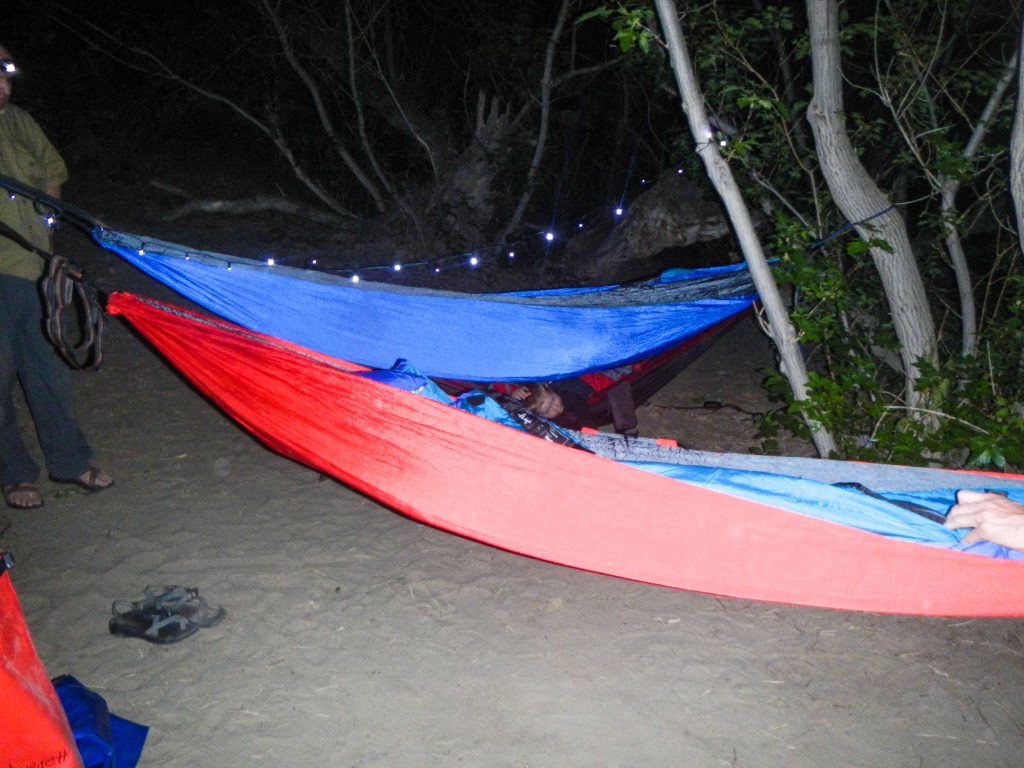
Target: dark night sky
x: 82, y: 97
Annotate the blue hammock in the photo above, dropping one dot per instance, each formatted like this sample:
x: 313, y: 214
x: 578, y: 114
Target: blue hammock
x: 492, y: 337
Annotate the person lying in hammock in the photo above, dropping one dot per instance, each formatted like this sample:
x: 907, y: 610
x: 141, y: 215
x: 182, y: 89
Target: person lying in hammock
x: 567, y: 402
x: 495, y: 404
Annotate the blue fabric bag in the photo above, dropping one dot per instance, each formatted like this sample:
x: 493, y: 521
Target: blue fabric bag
x: 103, y: 740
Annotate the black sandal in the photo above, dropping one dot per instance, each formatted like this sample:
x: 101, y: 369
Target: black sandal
x: 153, y: 626
x: 183, y: 601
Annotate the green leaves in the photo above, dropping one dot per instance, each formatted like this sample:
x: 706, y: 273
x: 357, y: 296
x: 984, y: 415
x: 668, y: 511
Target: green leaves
x: 632, y: 27
x: 972, y: 409
x: 916, y: 78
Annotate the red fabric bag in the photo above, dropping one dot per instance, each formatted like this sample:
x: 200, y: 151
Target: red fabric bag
x: 34, y: 732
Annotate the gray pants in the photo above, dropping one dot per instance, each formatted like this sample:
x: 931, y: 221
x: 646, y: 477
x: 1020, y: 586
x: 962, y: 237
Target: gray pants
x: 27, y: 356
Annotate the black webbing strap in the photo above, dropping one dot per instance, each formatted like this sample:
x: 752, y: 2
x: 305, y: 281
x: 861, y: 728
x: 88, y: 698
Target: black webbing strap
x: 910, y: 506
x: 45, y: 203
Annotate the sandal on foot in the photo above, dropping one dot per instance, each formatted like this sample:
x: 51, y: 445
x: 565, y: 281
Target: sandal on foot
x: 92, y: 480
x: 150, y: 625
x: 22, y: 496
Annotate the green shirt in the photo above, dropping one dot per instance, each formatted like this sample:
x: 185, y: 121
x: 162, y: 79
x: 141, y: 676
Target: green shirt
x: 27, y: 156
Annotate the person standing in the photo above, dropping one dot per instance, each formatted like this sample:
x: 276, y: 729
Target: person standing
x: 26, y: 356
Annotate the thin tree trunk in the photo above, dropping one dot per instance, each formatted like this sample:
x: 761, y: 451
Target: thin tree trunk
x: 1017, y: 146
x: 780, y: 328
x: 859, y: 198
x: 948, y: 187
x: 364, y: 138
x: 318, y: 102
x: 545, y: 115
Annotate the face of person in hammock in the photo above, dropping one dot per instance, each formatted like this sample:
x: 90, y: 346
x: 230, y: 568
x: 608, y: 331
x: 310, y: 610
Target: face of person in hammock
x: 550, y: 405
x: 540, y: 399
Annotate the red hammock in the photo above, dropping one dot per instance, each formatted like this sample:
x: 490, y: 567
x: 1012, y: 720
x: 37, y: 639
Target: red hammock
x: 494, y: 484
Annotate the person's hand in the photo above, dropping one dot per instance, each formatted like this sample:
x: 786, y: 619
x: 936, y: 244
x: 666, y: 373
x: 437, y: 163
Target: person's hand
x: 520, y: 393
x: 992, y: 516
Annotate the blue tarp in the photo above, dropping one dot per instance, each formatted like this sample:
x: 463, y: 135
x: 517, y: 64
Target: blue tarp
x: 527, y: 336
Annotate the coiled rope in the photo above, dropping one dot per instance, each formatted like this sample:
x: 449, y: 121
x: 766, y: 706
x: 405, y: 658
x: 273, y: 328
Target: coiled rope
x: 62, y: 285
x: 75, y: 321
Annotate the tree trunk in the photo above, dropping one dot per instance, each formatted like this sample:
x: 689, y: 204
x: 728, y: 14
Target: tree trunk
x: 780, y: 328
x: 545, y: 117
x: 319, y: 103
x: 1017, y: 145
x: 860, y: 199
x: 948, y: 187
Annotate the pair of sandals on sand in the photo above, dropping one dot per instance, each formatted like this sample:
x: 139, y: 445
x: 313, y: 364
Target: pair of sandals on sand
x: 165, y: 614
x: 27, y: 496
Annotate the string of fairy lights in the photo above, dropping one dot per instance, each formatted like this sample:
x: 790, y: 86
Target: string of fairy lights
x: 465, y: 260
x: 472, y: 259
x: 481, y: 256
x: 495, y: 253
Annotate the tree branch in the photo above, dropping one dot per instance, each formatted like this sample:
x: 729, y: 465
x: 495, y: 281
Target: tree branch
x: 542, y: 132
x: 325, y: 120
x: 159, y: 68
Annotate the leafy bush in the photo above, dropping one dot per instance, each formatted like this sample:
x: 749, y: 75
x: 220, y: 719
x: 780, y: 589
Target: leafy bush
x: 972, y: 407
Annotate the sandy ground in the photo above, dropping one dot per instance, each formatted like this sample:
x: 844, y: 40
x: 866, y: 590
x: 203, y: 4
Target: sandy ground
x: 356, y: 637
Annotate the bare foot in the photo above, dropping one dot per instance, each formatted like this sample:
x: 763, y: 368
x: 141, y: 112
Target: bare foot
x: 94, y: 480
x: 22, y: 496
